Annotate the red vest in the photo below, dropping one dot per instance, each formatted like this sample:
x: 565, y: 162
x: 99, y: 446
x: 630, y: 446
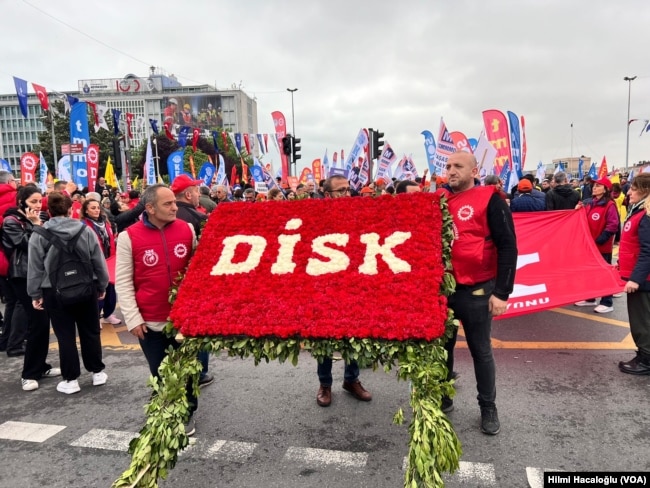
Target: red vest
x: 597, y: 218
x: 630, y: 247
x: 473, y: 254
x: 158, y: 256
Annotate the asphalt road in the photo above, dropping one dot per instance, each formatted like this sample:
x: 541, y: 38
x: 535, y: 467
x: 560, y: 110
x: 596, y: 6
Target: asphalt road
x: 562, y: 402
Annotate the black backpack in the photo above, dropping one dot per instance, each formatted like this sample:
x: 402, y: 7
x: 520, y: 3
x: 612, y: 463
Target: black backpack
x: 72, y: 274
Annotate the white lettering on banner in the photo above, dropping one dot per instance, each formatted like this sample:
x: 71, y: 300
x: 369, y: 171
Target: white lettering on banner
x: 527, y: 290
x: 337, y: 259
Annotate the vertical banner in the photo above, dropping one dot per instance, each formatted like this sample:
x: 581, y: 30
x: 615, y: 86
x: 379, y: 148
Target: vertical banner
x: 149, y: 166
x: 386, y: 160
x: 317, y: 169
x: 21, y: 92
x: 92, y: 159
x: 175, y: 165
x: 206, y: 173
x: 460, y: 141
x: 524, y: 148
x: 304, y: 176
x: 602, y: 171
x: 221, y: 172
x: 28, y: 163
x: 429, y: 150
x: 42, y: 179
x: 359, y: 145
x: 515, y: 143
x: 79, y: 135
x: 444, y: 149
x: 257, y: 173
x: 280, y: 131
x: 64, y: 169
x: 496, y: 131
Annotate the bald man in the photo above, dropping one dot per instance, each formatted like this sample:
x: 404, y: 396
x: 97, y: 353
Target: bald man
x: 484, y: 259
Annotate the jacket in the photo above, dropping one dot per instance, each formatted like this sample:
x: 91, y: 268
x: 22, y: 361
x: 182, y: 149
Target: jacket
x: 42, y: 255
x: 16, y: 231
x: 191, y: 215
x: 562, y: 197
x: 528, y: 202
x: 634, y: 251
x: 603, y: 221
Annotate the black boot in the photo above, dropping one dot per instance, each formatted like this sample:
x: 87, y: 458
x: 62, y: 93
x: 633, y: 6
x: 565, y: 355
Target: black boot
x: 639, y: 365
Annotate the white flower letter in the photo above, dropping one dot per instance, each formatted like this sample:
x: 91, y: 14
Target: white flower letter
x: 284, y: 263
x: 338, y: 260
x: 225, y: 266
x: 373, y: 248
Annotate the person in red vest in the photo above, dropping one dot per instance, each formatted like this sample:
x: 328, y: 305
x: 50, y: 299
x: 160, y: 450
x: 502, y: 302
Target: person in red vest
x: 603, y: 220
x: 484, y: 260
x: 8, y: 192
x: 634, y: 267
x: 150, y: 255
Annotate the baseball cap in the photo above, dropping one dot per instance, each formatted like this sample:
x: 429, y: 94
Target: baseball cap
x: 605, y: 182
x: 525, y: 185
x: 182, y: 183
x: 173, y: 100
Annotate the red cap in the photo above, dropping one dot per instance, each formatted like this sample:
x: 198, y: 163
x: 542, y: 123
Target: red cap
x: 182, y: 183
x: 605, y: 182
x: 367, y: 189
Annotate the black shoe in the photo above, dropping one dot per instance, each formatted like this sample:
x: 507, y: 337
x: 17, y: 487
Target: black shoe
x: 447, y: 405
x: 14, y: 353
x: 206, y: 380
x: 637, y: 366
x: 490, y: 421
x: 455, y: 375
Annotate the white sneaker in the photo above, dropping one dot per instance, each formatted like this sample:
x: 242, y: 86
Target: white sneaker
x: 68, y: 387
x: 52, y: 372
x: 584, y: 303
x: 603, y: 309
x: 111, y: 319
x: 99, y: 378
x: 29, y: 385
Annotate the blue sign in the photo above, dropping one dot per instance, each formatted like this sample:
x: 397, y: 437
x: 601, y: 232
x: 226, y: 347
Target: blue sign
x: 79, y: 135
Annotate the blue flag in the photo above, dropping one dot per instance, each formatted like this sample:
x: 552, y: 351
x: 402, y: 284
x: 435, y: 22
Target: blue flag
x: 261, y: 141
x: 182, y: 135
x: 21, y: 91
x: 154, y: 125
x: 79, y: 135
x: 4, y: 165
x: 72, y: 101
x: 257, y: 173
x: 221, y: 173
x: 206, y: 173
x: 238, y: 141
x: 175, y: 165
x: 515, y: 142
x: 116, y: 121
x: 430, y: 150
x: 214, y: 140
x: 580, y: 172
x: 592, y: 171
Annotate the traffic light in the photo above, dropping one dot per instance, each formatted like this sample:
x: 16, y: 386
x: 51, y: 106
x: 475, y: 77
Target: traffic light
x: 286, y: 145
x: 377, y: 143
x: 295, y: 148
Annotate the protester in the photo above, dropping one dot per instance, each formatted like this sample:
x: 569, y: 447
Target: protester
x: 337, y: 187
x: 562, y: 196
x: 275, y: 194
x: 8, y: 194
x: 17, y: 228
x: 484, y: 260
x: 602, y: 217
x: 82, y: 316
x: 407, y: 186
x: 524, y: 201
x: 634, y: 267
x: 145, y: 272
x: 586, y: 187
x: 205, y: 201
x: 220, y: 193
x: 93, y: 217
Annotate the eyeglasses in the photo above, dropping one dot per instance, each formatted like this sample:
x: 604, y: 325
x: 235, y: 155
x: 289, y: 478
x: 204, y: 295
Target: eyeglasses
x: 340, y: 191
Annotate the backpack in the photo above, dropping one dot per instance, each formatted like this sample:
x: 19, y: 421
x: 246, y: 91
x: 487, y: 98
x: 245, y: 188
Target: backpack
x: 71, y: 275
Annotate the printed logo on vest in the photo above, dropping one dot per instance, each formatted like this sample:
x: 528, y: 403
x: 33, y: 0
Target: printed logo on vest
x: 627, y: 226
x: 465, y: 212
x: 595, y: 216
x: 150, y: 258
x: 180, y: 250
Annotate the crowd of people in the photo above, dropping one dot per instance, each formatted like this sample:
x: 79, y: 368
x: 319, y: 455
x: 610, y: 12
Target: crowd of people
x: 149, y: 238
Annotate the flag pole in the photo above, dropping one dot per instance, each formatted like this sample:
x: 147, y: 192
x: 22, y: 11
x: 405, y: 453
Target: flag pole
x: 155, y: 144
x: 53, y: 140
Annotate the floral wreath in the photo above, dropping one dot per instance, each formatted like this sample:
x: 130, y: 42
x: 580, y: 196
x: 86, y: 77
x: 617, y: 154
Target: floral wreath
x: 407, y: 276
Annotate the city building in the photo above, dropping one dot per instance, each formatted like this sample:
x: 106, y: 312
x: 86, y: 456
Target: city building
x: 158, y: 96
x: 571, y: 165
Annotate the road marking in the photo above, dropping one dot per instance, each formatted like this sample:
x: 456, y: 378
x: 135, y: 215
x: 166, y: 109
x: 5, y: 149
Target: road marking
x: 479, y: 474
x: 230, y: 450
x: 535, y: 476
x: 27, y: 431
x: 111, y: 440
x: 354, y: 461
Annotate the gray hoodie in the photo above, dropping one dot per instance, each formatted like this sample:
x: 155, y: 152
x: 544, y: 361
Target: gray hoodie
x: 42, y: 254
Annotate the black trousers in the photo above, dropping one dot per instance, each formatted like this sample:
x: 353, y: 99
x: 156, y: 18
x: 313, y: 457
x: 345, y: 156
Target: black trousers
x: 66, y: 321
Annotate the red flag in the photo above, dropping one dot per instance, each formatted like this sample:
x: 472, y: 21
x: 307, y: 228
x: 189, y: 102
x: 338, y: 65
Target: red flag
x: 460, y: 141
x: 497, y: 132
x: 224, y: 136
x: 195, y: 138
x: 168, y: 133
x: 92, y: 159
x: 234, y: 178
x: 304, y: 176
x: 192, y: 169
x: 42, y: 96
x: 93, y: 106
x: 129, y: 120
x: 602, y: 171
x: 28, y: 164
x: 244, y: 171
x: 247, y: 143
x: 280, y: 132
x: 266, y: 143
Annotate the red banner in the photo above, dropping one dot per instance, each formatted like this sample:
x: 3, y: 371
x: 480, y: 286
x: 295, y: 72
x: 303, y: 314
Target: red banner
x: 304, y: 176
x: 28, y: 164
x: 281, y: 131
x: 317, y: 169
x: 92, y: 160
x: 460, y: 141
x: 497, y: 132
x: 564, y: 269
x: 602, y: 171
x: 318, y: 268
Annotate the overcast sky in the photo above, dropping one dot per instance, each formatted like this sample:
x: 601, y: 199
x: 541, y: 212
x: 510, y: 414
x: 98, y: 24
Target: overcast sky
x: 394, y: 66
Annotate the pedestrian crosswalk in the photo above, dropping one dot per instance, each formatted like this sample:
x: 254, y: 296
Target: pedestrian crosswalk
x: 468, y: 474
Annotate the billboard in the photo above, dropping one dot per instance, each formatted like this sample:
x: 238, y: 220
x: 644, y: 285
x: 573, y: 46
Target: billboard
x: 130, y: 84
x: 202, y: 111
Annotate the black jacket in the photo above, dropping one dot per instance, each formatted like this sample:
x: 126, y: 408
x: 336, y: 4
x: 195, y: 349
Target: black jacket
x: 16, y: 231
x: 191, y: 215
x: 562, y: 197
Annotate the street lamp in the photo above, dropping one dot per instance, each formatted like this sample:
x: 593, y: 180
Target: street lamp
x: 293, y: 122
x: 627, y: 137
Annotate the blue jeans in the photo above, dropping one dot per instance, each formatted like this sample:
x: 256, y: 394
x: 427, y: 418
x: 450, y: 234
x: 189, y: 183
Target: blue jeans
x: 471, y: 306
x: 350, y: 374
x: 154, y: 346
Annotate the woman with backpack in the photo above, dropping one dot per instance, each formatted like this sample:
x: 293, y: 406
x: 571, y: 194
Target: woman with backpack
x: 93, y: 217
x: 66, y: 276
x: 17, y: 227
